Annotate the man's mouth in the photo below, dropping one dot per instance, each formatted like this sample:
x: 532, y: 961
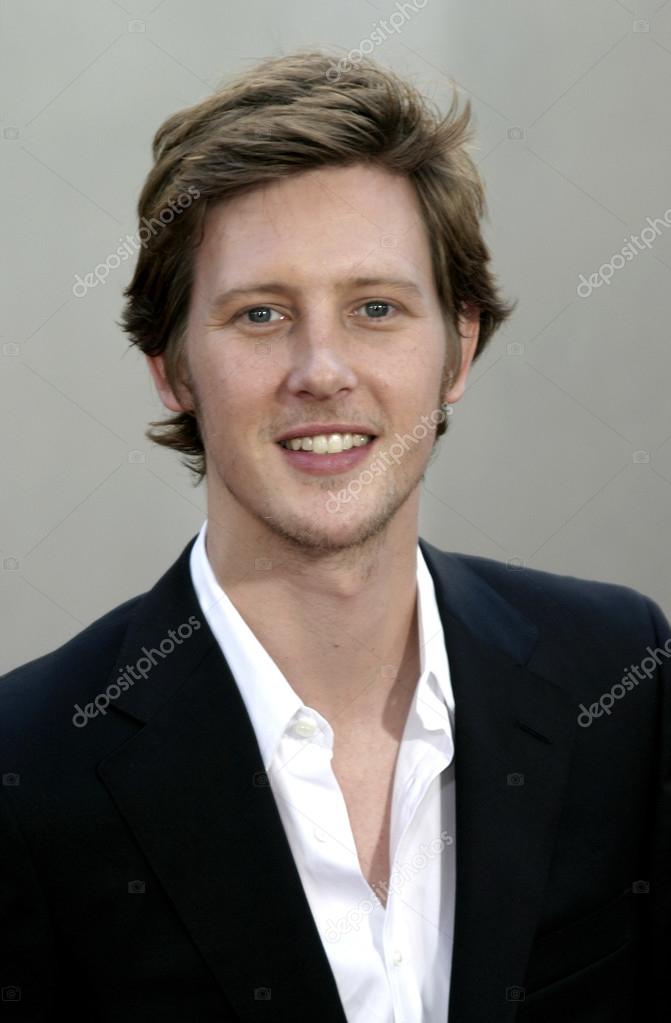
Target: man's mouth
x: 324, y: 454
x: 327, y: 444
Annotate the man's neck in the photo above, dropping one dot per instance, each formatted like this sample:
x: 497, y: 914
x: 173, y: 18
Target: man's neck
x: 343, y: 631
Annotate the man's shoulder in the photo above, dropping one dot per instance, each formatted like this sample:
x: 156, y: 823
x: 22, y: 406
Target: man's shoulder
x: 91, y: 654
x: 549, y: 598
x: 514, y: 577
x: 94, y: 647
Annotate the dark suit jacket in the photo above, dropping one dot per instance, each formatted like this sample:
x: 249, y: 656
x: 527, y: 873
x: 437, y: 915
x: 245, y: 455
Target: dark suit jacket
x: 146, y: 874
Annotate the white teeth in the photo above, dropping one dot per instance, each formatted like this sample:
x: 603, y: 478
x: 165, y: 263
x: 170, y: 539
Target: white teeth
x: 321, y: 444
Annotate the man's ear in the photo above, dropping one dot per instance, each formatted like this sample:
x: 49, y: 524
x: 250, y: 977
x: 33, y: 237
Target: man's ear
x: 469, y: 330
x: 157, y: 369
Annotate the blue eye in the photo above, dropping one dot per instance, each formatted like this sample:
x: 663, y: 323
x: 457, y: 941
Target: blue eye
x: 263, y: 309
x: 378, y: 309
x: 261, y: 315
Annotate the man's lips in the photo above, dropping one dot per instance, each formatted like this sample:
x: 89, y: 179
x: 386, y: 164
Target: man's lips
x: 315, y: 429
x: 324, y: 465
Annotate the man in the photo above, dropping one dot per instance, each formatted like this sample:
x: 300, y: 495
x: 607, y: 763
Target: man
x: 323, y: 770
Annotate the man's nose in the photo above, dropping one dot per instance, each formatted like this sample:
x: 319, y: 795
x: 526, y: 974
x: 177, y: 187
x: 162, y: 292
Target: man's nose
x: 322, y: 353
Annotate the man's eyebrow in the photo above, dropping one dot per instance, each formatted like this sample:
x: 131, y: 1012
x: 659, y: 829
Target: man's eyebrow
x: 278, y: 287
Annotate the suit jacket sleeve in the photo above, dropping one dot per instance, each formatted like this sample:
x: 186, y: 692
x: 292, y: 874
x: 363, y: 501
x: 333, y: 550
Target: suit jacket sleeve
x: 659, y: 905
x: 28, y: 956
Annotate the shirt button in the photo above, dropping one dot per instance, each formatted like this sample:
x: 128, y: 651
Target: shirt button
x: 305, y: 727
x: 398, y: 958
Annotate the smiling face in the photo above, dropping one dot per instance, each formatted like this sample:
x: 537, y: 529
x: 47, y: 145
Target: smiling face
x: 314, y: 304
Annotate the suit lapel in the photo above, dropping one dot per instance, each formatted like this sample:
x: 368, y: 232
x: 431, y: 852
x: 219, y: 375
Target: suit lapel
x: 514, y: 730
x: 191, y: 787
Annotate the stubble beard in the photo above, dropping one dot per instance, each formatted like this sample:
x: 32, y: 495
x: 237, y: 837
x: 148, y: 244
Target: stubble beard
x: 317, y: 540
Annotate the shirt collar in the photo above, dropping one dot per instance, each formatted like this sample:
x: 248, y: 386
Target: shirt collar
x: 271, y: 701
x: 434, y: 691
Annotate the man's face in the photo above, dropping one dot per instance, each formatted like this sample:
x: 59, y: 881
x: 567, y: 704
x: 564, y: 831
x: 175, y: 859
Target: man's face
x: 335, y: 320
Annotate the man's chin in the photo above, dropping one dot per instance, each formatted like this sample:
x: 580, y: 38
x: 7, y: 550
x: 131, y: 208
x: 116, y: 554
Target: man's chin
x: 323, y: 538
x: 335, y: 531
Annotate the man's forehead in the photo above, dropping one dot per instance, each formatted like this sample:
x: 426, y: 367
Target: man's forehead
x: 242, y: 246
x: 353, y: 199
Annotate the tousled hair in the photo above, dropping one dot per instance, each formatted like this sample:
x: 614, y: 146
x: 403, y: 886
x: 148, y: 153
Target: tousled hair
x: 287, y: 115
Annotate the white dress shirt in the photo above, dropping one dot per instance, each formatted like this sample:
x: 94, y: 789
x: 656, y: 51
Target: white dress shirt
x: 391, y: 964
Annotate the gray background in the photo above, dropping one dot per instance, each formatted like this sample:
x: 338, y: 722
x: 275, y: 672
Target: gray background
x: 559, y: 454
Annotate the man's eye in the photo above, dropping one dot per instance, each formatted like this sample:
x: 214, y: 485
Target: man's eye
x: 377, y: 309
x: 260, y: 314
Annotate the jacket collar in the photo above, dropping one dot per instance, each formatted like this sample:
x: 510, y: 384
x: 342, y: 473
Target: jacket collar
x: 191, y: 787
